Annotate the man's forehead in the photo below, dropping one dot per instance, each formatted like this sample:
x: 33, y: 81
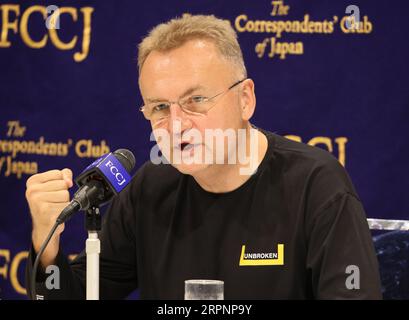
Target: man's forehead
x: 182, y: 93
x: 195, y: 64
x: 192, y: 56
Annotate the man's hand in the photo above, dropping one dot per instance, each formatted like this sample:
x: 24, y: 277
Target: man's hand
x: 47, y: 195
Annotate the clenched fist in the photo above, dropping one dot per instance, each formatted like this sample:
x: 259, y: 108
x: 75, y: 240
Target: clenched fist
x: 47, y: 195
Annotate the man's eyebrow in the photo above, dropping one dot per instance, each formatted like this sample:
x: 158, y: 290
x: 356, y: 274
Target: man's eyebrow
x: 186, y: 93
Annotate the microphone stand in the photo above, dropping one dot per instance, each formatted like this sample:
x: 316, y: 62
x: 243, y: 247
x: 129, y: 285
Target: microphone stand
x: 92, y: 250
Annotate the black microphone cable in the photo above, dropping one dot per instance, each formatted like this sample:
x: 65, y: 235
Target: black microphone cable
x: 61, y: 219
x: 37, y: 260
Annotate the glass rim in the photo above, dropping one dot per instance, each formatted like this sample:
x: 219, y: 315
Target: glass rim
x: 203, y: 281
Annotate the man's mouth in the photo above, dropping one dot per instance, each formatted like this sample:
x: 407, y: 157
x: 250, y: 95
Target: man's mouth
x: 185, y: 145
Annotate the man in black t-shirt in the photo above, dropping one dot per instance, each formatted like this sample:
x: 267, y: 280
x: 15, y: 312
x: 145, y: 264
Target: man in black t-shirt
x: 272, y: 218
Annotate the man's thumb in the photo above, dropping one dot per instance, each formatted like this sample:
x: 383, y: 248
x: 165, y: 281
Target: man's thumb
x: 67, y: 176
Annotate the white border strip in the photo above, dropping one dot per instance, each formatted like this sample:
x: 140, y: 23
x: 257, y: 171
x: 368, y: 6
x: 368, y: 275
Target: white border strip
x: 386, y: 224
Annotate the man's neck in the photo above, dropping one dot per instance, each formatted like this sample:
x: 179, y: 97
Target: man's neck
x: 220, y: 178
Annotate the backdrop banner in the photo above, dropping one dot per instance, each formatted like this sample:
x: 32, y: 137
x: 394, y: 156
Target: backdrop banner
x: 332, y: 74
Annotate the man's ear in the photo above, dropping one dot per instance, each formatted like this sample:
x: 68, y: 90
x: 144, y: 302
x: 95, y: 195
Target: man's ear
x: 247, y: 99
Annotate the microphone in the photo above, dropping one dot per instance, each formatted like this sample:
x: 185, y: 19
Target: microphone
x: 100, y: 182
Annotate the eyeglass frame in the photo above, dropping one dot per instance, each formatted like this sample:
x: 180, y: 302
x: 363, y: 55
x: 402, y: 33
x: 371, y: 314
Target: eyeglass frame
x: 206, y: 99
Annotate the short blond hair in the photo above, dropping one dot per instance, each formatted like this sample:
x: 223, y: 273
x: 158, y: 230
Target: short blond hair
x: 174, y: 33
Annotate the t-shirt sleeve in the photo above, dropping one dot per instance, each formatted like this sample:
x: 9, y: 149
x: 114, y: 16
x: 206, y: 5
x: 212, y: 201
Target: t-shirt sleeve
x: 341, y: 259
x: 62, y: 284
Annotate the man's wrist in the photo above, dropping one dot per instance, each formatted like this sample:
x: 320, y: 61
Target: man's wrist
x: 50, y: 253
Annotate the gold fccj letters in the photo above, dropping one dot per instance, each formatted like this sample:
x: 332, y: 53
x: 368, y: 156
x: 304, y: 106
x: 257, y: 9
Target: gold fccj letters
x: 18, y: 21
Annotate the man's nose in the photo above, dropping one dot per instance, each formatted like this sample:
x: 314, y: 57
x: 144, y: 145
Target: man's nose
x: 177, y: 114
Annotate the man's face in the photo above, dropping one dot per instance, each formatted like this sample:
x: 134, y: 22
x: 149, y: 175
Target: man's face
x: 194, y: 69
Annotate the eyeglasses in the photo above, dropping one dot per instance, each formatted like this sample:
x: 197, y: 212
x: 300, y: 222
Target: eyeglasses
x: 193, y: 105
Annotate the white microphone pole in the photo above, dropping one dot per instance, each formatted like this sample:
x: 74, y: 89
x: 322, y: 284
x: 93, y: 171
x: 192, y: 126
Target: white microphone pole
x: 92, y: 250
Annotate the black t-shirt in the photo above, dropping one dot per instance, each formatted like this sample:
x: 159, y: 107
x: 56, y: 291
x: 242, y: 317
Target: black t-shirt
x: 289, y: 232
